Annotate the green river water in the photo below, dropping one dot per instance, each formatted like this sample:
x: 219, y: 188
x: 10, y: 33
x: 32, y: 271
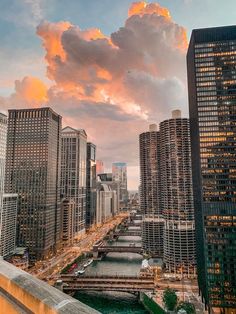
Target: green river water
x: 115, y: 263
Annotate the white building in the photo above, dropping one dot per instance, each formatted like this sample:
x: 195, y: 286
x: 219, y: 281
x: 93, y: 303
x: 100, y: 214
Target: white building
x: 106, y: 203
x: 8, y: 224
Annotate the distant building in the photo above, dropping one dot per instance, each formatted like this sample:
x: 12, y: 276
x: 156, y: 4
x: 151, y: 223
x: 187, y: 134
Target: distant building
x: 177, y: 195
x: 99, y: 167
x: 33, y: 172
x: 91, y: 179
x: 67, y: 220
x: 150, y: 192
x: 119, y: 174
x: 211, y: 64
x: 73, y: 173
x: 106, y: 203
x: 107, y: 178
x: 8, y: 224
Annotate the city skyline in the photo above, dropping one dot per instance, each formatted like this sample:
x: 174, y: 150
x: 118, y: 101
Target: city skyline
x: 107, y: 105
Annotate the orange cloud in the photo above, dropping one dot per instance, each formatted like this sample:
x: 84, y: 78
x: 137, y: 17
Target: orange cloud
x: 31, y: 91
x: 141, y: 8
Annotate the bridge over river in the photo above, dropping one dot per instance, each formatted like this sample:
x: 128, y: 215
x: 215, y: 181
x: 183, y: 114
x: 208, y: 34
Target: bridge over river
x: 130, y: 284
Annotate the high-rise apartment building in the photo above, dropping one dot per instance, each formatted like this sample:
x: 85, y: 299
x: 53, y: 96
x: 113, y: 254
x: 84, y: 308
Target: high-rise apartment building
x: 33, y: 172
x: 106, y: 203
x: 176, y: 198
x: 150, y: 192
x: 3, y: 140
x: 8, y: 224
x: 211, y: 62
x: 73, y: 173
x: 91, y: 179
x: 119, y: 174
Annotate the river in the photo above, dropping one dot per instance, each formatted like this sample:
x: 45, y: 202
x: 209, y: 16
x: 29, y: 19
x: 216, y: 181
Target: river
x: 115, y: 263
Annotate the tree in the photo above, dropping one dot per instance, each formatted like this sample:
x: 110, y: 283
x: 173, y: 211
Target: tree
x: 170, y: 299
x: 187, y: 306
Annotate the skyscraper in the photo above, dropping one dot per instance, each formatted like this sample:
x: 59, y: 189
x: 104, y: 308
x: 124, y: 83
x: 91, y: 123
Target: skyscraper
x: 211, y: 63
x: 73, y: 173
x: 33, y: 172
x: 3, y: 140
x: 8, y: 224
x: 119, y: 174
x: 177, y: 195
x: 150, y: 192
x: 91, y: 185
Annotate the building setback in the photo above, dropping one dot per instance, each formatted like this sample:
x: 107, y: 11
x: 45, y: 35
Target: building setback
x: 211, y: 63
x: 33, y: 172
x: 73, y: 173
x: 177, y: 195
x: 91, y: 185
x: 150, y: 192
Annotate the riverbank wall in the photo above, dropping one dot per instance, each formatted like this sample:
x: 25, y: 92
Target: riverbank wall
x: 150, y: 305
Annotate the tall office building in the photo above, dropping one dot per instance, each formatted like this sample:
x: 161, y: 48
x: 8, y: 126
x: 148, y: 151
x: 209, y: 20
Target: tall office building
x: 150, y: 192
x: 3, y: 140
x: 8, y: 224
x: 119, y: 174
x: 211, y: 62
x: 33, y: 172
x: 106, y: 203
x: 91, y: 178
x: 177, y: 195
x: 73, y: 173
x: 107, y: 179
x: 67, y: 221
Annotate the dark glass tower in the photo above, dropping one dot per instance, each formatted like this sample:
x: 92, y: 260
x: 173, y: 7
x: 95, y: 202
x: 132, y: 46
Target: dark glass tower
x: 211, y: 63
x: 33, y: 172
x: 91, y: 185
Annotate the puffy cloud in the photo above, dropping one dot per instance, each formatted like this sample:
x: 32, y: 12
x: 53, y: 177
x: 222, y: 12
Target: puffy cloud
x: 113, y: 85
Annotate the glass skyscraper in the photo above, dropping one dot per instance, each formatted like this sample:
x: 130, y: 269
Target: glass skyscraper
x: 33, y: 172
x: 211, y: 63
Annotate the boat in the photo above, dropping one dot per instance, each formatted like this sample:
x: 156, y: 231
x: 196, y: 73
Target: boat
x: 79, y: 272
x: 89, y: 262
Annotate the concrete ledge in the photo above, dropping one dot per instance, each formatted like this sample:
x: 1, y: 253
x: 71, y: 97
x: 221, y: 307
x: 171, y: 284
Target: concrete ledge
x: 22, y: 293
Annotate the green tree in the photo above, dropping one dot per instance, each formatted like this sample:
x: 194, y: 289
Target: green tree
x: 187, y: 306
x: 170, y: 299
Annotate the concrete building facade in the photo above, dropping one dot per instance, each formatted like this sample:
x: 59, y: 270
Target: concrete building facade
x: 106, y: 203
x: 150, y: 192
x: 33, y: 172
x: 73, y: 173
x: 177, y: 195
x: 67, y: 221
x: 211, y: 63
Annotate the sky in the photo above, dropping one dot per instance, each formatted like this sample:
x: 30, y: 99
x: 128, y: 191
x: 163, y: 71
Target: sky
x: 111, y: 67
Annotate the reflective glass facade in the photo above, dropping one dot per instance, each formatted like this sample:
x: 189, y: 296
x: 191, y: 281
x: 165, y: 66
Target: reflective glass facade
x: 91, y: 185
x: 211, y: 64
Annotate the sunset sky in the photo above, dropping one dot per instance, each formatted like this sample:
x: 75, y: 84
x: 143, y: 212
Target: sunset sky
x: 108, y: 66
